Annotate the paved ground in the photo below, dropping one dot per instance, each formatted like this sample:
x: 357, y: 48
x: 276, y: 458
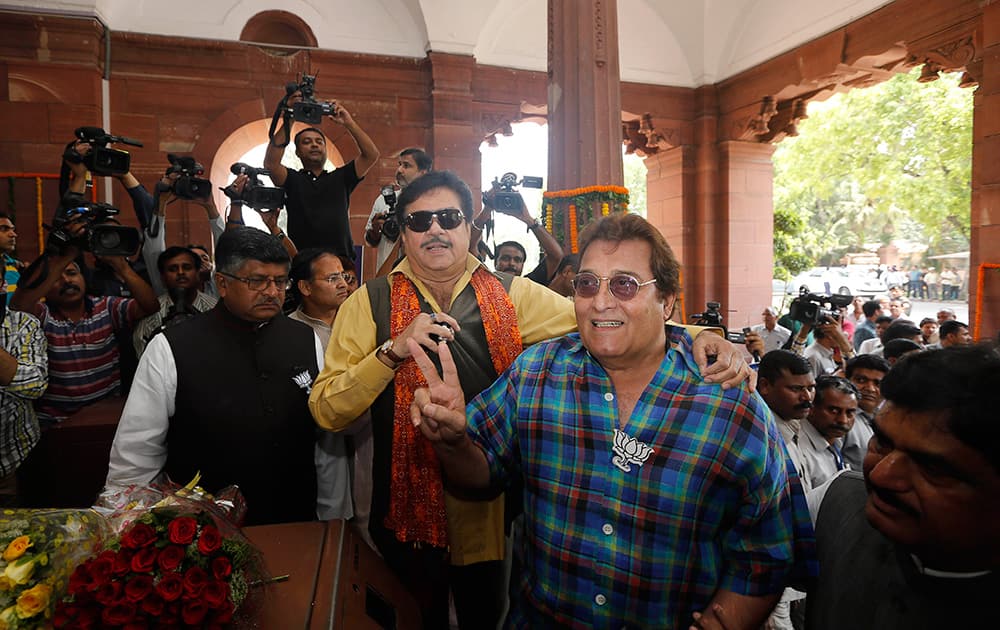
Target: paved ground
x: 929, y: 308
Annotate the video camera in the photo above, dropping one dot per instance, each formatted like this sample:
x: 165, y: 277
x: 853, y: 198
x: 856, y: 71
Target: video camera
x: 808, y: 308
x: 255, y: 194
x: 712, y: 316
x: 188, y: 185
x: 102, y: 234
x: 101, y: 160
x: 505, y: 198
x: 308, y: 110
x: 390, y: 226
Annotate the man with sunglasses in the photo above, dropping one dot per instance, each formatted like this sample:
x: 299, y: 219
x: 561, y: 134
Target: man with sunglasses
x: 439, y: 291
x: 225, y: 393
x: 648, y: 495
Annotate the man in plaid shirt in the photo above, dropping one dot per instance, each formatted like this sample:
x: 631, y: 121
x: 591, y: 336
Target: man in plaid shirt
x: 651, y: 499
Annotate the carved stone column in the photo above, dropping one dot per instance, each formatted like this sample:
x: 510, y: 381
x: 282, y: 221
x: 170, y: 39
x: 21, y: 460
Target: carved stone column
x: 985, y: 222
x: 585, y: 136
x: 455, y: 143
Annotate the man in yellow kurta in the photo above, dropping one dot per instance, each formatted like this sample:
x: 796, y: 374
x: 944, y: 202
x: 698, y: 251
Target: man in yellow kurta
x: 440, y: 291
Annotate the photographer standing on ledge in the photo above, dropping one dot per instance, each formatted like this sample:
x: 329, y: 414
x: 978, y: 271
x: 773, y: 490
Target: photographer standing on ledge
x: 319, y: 200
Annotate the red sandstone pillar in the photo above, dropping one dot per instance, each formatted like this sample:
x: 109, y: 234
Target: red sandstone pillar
x: 585, y: 137
x: 744, y: 249
x: 985, y: 222
x: 454, y: 143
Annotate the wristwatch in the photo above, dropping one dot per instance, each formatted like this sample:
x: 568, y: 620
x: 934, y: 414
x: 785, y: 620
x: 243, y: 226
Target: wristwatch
x: 386, y: 349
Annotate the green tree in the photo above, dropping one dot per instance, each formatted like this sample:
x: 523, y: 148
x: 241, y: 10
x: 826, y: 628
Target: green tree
x: 871, y: 165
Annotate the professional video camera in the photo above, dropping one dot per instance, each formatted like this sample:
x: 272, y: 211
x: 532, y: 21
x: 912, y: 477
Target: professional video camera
x: 711, y: 317
x: 101, y: 160
x: 808, y: 308
x: 504, y: 198
x: 308, y: 110
x: 102, y: 234
x: 188, y: 185
x: 255, y: 194
x: 390, y: 227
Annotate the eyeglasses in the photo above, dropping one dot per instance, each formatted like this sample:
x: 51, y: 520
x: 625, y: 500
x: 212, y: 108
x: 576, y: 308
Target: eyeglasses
x: 621, y: 285
x: 349, y: 278
x: 334, y: 278
x: 420, y: 221
x: 256, y: 283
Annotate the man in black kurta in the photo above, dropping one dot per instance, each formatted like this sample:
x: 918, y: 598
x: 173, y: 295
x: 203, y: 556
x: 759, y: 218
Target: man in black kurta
x: 225, y: 392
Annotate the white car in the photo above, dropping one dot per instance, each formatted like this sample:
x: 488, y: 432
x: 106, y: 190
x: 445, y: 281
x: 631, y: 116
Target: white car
x: 840, y: 280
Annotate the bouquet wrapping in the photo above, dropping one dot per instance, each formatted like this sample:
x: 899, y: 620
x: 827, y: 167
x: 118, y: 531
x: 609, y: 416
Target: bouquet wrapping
x: 178, y: 560
x: 40, y: 548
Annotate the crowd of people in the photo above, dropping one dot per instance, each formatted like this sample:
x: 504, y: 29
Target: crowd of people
x: 541, y: 450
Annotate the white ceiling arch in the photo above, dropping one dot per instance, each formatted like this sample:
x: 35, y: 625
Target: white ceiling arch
x: 684, y: 43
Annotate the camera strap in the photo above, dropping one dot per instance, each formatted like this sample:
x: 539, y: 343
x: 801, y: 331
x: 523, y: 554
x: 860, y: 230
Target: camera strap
x: 281, y: 112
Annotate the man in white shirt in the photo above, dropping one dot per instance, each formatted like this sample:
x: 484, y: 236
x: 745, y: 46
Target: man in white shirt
x: 831, y: 418
x: 774, y: 334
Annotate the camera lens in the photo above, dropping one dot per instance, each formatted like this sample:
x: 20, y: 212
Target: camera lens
x: 108, y: 239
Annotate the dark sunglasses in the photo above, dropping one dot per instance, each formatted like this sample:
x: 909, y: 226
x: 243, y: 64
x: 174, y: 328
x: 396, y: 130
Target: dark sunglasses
x: 621, y: 285
x: 420, y: 221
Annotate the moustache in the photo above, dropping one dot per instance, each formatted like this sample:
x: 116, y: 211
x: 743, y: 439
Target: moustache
x: 804, y: 406
x: 67, y: 288
x: 436, y: 240
x: 267, y: 302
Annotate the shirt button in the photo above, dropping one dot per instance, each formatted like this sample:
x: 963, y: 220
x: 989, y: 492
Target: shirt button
x: 609, y: 397
x: 607, y: 529
x: 600, y: 599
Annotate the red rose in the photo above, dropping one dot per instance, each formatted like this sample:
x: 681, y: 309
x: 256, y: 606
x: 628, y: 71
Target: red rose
x: 136, y: 625
x: 215, y: 593
x: 170, y: 558
x: 118, y: 614
x: 139, y: 536
x: 224, y: 614
x: 123, y: 562
x: 144, y: 560
x: 194, y: 581
x: 221, y: 567
x: 138, y: 588
x: 182, y: 530
x: 87, y: 618
x: 109, y: 593
x: 193, y: 612
x: 81, y: 580
x: 100, y: 571
x: 170, y: 587
x: 210, y: 540
x: 153, y: 605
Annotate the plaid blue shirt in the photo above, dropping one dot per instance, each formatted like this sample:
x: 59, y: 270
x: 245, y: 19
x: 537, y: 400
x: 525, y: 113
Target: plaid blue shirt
x: 711, y: 508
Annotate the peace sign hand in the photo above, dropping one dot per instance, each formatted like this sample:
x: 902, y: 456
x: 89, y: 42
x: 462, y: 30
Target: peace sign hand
x: 438, y: 410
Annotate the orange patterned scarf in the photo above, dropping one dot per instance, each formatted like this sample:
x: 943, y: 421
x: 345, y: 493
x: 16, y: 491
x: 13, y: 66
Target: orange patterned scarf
x: 416, y: 504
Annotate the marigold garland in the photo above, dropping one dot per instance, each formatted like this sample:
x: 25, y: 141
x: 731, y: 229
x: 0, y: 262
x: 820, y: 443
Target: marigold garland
x: 567, y: 212
x: 572, y: 229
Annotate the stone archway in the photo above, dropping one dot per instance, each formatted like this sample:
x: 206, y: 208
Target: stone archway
x: 231, y: 135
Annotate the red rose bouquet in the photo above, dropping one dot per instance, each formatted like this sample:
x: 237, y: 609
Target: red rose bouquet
x: 178, y: 564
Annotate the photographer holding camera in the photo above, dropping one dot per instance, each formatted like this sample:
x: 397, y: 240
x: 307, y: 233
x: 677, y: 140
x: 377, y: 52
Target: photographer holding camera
x: 318, y: 200
x: 511, y: 255
x: 84, y: 357
x: 236, y: 191
x: 382, y: 231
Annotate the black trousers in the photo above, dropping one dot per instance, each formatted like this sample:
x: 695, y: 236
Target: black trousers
x: 425, y: 572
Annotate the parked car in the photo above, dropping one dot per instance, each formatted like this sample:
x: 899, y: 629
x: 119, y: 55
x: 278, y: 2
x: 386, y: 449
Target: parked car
x: 843, y: 280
